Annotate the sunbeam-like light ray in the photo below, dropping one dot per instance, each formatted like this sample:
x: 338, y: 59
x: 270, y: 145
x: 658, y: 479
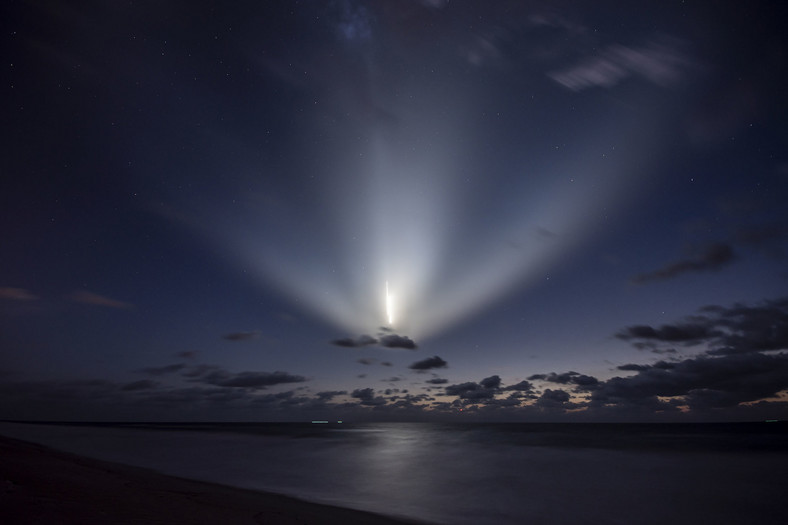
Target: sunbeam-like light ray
x: 425, y: 205
x: 389, y: 306
x: 449, y: 254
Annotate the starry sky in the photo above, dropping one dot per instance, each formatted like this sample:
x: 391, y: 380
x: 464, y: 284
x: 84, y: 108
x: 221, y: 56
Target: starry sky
x: 394, y: 210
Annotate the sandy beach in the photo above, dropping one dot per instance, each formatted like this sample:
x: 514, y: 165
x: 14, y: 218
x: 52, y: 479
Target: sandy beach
x: 39, y: 485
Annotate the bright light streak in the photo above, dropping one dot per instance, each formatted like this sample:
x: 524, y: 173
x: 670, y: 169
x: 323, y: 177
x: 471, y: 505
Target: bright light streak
x: 455, y: 248
x: 389, y: 305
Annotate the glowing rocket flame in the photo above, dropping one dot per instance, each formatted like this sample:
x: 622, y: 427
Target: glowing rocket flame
x: 389, y: 305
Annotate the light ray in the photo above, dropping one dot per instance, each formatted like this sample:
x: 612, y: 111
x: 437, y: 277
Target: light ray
x: 389, y: 305
x: 404, y: 216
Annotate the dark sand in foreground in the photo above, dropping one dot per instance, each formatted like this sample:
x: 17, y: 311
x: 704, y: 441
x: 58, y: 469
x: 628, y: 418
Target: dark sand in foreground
x: 39, y: 485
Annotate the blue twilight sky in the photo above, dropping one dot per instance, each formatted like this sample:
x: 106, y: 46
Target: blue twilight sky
x: 410, y: 209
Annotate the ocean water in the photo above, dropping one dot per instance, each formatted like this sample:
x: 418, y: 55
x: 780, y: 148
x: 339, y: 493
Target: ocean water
x: 470, y: 473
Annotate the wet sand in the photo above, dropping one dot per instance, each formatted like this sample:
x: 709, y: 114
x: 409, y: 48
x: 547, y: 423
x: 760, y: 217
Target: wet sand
x: 39, y: 485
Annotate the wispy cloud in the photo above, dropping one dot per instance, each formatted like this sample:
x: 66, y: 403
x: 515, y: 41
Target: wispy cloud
x: 17, y: 294
x: 660, y: 62
x: 86, y: 297
x: 242, y: 336
x: 711, y: 258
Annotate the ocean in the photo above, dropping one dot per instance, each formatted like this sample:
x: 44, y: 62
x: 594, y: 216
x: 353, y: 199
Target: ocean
x: 480, y: 474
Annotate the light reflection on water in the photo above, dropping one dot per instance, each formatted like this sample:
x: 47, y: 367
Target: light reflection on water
x: 447, y: 473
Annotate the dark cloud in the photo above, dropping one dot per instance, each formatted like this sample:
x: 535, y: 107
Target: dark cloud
x: 437, y: 381
x: 585, y: 381
x: 512, y: 401
x: 250, y: 380
x: 703, y: 381
x: 365, y: 361
x: 552, y: 377
x: 242, y: 336
x: 162, y: 370
x: 330, y: 394
x: 664, y: 350
x: 751, y: 328
x: 491, y: 382
x: 633, y: 368
x: 360, y: 341
x: 199, y: 370
x: 429, y: 363
x: 478, y: 394
x: 386, y: 339
x: 739, y: 384
x: 483, y: 390
x: 459, y: 390
x: 711, y: 258
x: 397, y: 341
x: 143, y: 384
x: 686, y: 333
x: 190, y: 354
x: 364, y: 340
x: 740, y: 373
x: 523, y: 386
x: 553, y: 398
x: 567, y: 378
x: 725, y: 330
x: 385, y: 363
x: 367, y: 397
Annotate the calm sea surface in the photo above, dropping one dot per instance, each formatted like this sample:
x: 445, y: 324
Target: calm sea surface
x: 471, y: 473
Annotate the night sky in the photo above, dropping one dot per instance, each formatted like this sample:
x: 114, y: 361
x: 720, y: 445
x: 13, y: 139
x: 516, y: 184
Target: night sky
x: 394, y: 210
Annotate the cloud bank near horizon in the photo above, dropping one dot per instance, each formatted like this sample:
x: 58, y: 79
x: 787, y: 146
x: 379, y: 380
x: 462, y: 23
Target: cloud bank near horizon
x: 739, y: 369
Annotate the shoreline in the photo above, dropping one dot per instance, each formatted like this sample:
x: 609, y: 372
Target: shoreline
x: 44, y: 485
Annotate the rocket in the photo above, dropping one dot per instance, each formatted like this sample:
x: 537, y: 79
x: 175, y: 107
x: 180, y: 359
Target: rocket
x: 389, y: 305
